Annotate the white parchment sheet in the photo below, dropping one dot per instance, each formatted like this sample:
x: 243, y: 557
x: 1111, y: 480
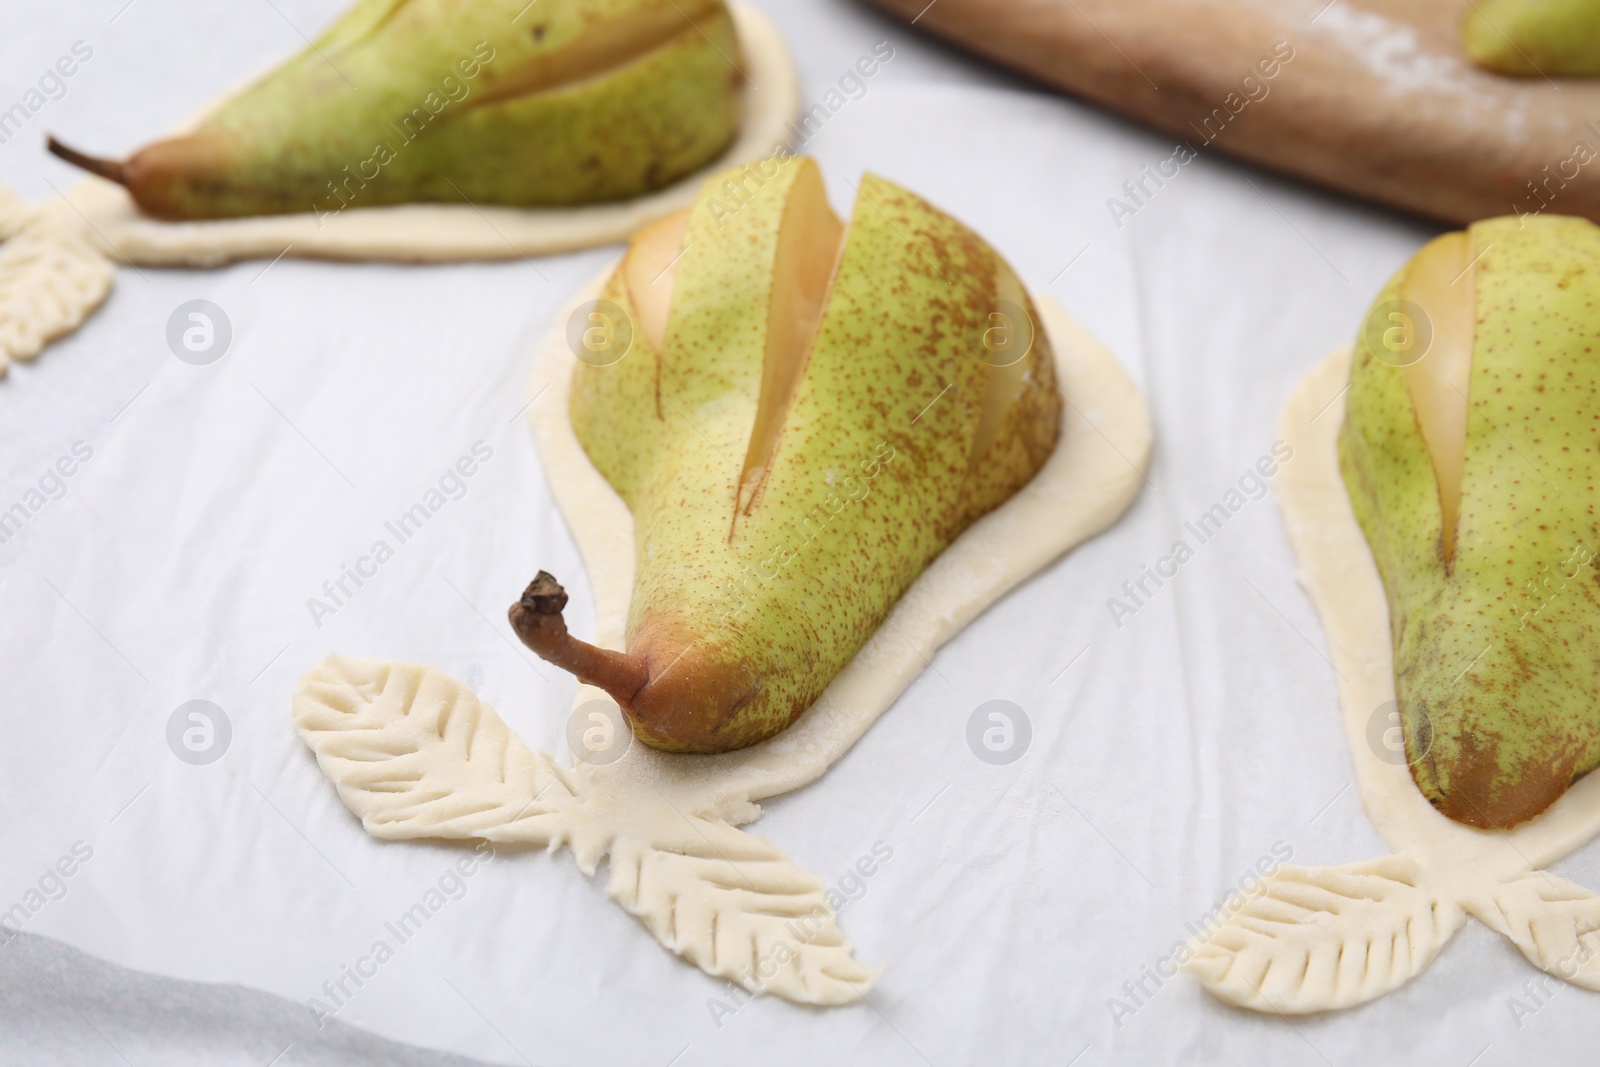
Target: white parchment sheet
x: 1022, y: 909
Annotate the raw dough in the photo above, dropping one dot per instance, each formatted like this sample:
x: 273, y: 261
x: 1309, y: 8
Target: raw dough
x: 52, y: 276
x: 55, y: 272
x: 1317, y: 938
x: 416, y: 755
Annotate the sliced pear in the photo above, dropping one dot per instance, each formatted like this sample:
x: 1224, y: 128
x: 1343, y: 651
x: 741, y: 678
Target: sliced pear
x: 1497, y: 645
x: 650, y: 270
x: 845, y: 366
x: 487, y: 102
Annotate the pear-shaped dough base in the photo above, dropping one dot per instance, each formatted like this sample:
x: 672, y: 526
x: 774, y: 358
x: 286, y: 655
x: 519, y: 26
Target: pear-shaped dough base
x: 1316, y: 938
x: 58, y: 269
x: 416, y: 755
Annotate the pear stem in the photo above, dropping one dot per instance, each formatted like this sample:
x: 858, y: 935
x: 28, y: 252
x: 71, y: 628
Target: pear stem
x: 537, y: 620
x: 110, y: 169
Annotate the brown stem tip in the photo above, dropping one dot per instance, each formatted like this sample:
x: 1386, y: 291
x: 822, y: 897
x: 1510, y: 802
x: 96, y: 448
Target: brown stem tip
x: 110, y: 169
x: 544, y: 595
x: 536, y: 617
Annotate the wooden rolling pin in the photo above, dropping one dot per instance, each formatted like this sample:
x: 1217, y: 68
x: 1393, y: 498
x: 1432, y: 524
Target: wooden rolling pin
x: 1375, y: 99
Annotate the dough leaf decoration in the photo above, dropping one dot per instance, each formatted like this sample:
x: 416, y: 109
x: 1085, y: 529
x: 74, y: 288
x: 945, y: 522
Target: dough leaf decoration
x: 15, y: 215
x: 735, y: 906
x: 52, y: 277
x: 1555, y: 924
x: 1317, y: 938
x: 416, y: 755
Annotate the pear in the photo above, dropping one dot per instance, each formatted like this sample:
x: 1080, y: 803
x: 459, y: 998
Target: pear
x: 810, y: 413
x: 488, y: 101
x: 1471, y: 461
x: 1533, y: 38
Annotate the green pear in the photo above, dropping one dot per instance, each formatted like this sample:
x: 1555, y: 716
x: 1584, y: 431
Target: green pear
x: 484, y: 101
x: 809, y: 413
x: 1471, y: 460
x: 1534, y: 38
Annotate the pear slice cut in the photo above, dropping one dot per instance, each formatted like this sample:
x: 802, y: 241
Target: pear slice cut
x: 1014, y: 424
x: 810, y: 242
x: 650, y: 271
x: 363, y: 21
x: 1008, y: 372
x: 1440, y: 280
x: 602, y: 47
